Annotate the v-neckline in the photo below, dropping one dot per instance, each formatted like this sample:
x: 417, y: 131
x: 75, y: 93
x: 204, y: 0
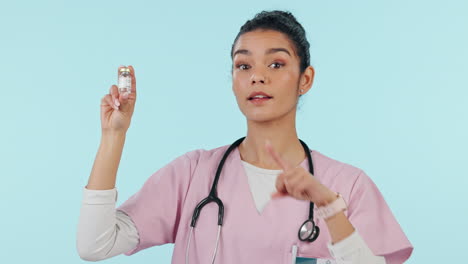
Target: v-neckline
x: 246, y: 185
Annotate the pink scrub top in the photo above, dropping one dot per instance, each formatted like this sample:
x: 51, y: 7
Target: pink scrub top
x: 162, y: 211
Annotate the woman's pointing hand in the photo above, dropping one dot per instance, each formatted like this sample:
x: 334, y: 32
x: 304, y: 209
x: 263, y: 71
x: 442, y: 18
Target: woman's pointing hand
x: 298, y: 182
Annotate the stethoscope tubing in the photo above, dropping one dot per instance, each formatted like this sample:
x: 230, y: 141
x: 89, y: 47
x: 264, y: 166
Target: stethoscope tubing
x: 213, y: 197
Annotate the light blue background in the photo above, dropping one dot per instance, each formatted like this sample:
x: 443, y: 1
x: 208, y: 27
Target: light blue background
x: 390, y: 96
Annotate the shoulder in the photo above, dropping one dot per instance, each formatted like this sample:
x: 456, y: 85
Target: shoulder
x: 204, y: 158
x: 339, y: 176
x: 203, y: 155
x: 367, y: 209
x: 326, y: 165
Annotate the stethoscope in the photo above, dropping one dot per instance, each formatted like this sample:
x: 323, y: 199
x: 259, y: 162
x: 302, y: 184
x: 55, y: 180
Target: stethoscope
x: 308, y: 231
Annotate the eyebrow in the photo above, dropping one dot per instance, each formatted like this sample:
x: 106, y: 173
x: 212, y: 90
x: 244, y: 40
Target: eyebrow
x: 270, y: 51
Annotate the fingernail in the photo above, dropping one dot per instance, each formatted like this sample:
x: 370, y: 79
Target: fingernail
x: 125, y: 96
x: 117, y: 103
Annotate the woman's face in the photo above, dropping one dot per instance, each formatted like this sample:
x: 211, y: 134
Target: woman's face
x: 265, y: 61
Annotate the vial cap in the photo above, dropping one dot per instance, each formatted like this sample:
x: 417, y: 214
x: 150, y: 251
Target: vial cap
x: 124, y: 69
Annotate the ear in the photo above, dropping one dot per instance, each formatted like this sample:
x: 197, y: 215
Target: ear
x: 307, y: 78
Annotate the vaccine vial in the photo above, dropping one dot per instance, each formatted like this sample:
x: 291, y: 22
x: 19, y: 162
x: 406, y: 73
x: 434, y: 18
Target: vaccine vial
x: 125, y: 80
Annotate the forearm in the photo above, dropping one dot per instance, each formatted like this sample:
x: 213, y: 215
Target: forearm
x: 104, y: 171
x: 346, y: 244
x: 354, y: 250
x: 339, y: 227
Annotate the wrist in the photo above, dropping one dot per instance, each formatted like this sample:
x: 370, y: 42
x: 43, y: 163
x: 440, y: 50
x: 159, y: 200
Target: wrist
x: 113, y: 133
x: 113, y: 141
x: 338, y: 205
x: 329, y: 198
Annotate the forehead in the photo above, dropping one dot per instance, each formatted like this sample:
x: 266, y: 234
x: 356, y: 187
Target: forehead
x: 259, y: 41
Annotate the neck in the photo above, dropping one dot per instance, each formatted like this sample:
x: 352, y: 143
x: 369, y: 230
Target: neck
x: 283, y: 137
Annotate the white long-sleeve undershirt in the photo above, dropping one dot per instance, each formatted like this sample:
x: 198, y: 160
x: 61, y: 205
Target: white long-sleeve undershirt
x: 104, y: 232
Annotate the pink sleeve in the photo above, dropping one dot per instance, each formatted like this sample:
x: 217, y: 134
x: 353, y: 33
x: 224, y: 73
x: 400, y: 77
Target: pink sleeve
x: 372, y: 217
x: 156, y: 207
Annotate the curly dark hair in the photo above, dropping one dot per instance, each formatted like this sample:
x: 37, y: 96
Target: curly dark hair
x: 284, y: 22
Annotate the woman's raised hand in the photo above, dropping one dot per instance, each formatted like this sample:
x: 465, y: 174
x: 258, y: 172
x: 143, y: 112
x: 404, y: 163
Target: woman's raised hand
x: 298, y: 182
x: 117, y: 109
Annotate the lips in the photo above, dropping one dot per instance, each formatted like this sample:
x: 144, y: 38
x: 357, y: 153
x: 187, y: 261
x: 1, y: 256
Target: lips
x: 265, y: 96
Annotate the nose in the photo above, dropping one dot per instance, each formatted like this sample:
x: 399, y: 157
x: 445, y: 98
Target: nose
x: 257, y: 77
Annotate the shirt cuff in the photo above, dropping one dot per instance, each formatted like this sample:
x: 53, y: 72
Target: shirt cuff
x: 99, y: 196
x: 347, y: 246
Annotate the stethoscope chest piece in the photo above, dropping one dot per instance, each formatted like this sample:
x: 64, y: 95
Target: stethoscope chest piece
x: 308, y: 232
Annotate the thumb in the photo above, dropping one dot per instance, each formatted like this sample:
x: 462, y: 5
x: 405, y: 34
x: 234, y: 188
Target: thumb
x: 124, y: 98
x: 275, y: 195
x: 280, y: 187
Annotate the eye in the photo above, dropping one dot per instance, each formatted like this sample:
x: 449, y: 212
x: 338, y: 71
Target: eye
x: 279, y: 64
x: 240, y: 66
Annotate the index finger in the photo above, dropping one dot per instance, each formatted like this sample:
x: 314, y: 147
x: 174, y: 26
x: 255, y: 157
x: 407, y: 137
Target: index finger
x: 277, y: 157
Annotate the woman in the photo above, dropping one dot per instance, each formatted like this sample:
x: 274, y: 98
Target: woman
x: 270, y: 73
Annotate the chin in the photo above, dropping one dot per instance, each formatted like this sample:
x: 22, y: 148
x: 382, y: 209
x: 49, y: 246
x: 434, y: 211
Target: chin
x: 260, y: 117
x: 268, y: 116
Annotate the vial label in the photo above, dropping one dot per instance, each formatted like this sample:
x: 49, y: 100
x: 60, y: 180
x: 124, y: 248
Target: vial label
x: 125, y: 84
